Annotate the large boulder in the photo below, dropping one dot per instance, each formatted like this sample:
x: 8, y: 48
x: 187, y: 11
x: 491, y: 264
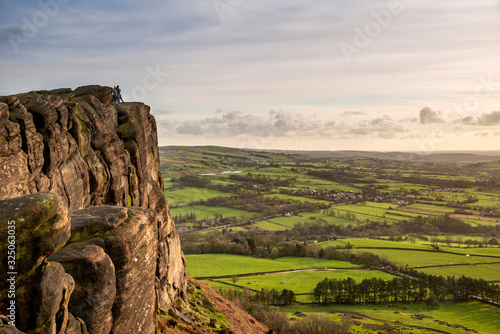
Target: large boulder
x: 34, y: 227
x: 40, y: 226
x: 119, y: 245
x: 95, y: 285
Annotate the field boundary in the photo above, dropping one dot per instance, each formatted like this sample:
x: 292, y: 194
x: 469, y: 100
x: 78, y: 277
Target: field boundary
x: 455, y: 265
x: 279, y: 272
x: 428, y: 250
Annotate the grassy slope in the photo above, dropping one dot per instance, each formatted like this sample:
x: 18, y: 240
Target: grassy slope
x: 303, y: 281
x: 481, y: 317
x: 204, y: 265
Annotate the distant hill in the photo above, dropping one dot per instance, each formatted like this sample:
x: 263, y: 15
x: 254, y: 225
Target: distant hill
x: 438, y: 156
x: 465, y: 156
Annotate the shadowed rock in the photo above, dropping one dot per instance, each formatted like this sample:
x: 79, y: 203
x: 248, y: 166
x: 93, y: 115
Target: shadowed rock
x: 95, y: 285
x: 131, y: 243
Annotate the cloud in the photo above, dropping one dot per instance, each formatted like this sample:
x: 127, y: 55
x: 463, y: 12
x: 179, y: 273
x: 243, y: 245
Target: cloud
x: 159, y: 112
x: 281, y: 124
x: 428, y: 116
x: 235, y: 123
x: 262, y: 56
x: 353, y: 113
x: 491, y: 118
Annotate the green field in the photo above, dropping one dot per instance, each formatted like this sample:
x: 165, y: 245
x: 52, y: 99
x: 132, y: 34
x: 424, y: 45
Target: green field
x: 428, y: 209
x: 380, y: 209
x: 440, y: 188
x: 187, y: 195
x: 366, y: 214
x: 214, y: 265
x: 210, y: 211
x: 284, y: 223
x: 365, y: 242
x: 303, y: 282
x: 486, y: 251
x: 488, y: 272
x: 299, y: 198
x: 483, y: 318
x: 416, y: 259
x: 270, y: 226
x: 377, y: 212
x: 397, y: 186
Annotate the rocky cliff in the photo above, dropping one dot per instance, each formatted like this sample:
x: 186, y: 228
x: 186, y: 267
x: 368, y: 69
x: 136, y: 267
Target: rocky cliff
x: 96, y: 249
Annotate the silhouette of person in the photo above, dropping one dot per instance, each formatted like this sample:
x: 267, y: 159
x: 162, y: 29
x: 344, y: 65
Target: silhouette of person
x: 116, y: 94
x: 119, y: 92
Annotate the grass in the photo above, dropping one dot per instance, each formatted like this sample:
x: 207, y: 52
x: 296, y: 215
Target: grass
x: 303, y: 281
x: 372, y: 215
x: 488, y: 272
x: 377, y: 212
x: 285, y: 223
x: 299, y: 198
x: 481, y: 317
x: 206, y: 265
x: 478, y: 221
x: 365, y: 242
x: 270, y: 226
x: 202, y: 211
x: 428, y: 209
x: 489, y: 251
x: 187, y: 195
x: 416, y: 259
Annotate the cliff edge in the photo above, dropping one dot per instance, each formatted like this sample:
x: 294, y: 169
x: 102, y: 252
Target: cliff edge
x: 81, y: 192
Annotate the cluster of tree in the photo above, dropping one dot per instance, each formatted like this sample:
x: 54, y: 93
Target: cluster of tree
x: 300, y: 240
x: 264, y: 180
x: 256, y: 304
x: 469, y: 200
x: 264, y: 296
x: 203, y: 182
x: 275, y: 245
x: 214, y: 242
x: 340, y: 175
x: 417, y: 226
x: 189, y: 180
x: 327, y: 195
x: 321, y: 230
x: 343, y: 215
x: 188, y: 217
x: 430, y: 181
x: 404, y: 289
x: 267, y: 206
x: 448, y: 240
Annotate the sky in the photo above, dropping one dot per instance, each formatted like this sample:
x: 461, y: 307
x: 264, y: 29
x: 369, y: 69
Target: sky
x: 397, y: 75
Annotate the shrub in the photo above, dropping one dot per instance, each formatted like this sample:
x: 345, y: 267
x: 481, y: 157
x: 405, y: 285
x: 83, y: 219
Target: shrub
x: 320, y: 324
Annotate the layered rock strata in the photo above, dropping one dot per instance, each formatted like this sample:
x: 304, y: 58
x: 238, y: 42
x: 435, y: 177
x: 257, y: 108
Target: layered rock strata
x: 100, y: 162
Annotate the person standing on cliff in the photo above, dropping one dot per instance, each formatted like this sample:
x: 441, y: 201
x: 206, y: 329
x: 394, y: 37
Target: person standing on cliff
x: 115, y: 94
x: 119, y: 93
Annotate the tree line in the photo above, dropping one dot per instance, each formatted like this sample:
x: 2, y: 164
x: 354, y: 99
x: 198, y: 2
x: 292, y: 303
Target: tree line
x: 404, y: 289
x: 299, y: 241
